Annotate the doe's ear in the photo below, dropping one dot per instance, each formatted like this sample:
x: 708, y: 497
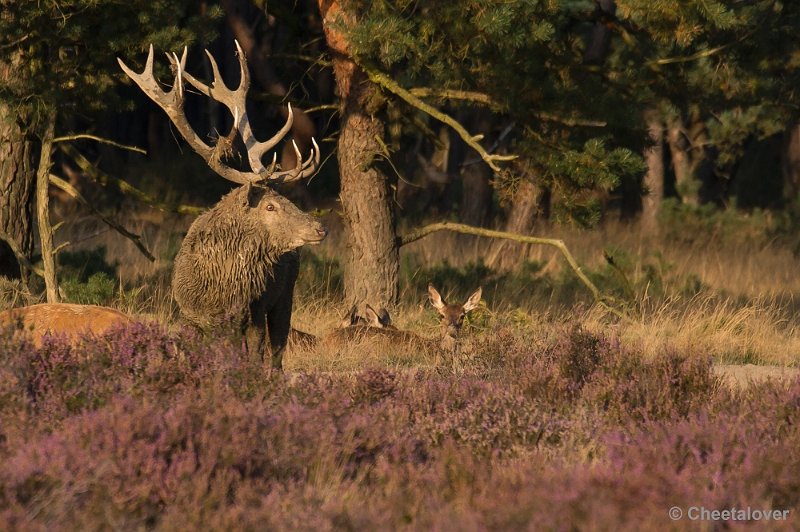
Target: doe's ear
x: 372, y: 317
x: 383, y: 316
x: 435, y: 299
x: 473, y: 301
x: 351, y: 318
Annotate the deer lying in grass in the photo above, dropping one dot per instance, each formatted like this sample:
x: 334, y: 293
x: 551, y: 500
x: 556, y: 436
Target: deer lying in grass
x: 373, y: 324
x: 379, y: 324
x: 452, y: 316
x: 62, y: 318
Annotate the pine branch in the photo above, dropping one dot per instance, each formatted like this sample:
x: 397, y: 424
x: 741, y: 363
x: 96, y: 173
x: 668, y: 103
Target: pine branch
x: 485, y: 99
x: 599, y: 298
x: 473, y: 141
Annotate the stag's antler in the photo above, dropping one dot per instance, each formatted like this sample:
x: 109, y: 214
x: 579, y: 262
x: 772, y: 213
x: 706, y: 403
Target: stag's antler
x: 172, y: 103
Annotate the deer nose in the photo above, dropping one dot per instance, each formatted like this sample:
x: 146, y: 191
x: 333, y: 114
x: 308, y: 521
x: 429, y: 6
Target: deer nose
x: 322, y: 232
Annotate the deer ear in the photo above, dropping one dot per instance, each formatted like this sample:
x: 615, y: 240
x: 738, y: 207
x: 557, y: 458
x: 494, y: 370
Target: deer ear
x: 350, y: 319
x: 473, y: 301
x: 372, y: 317
x: 383, y: 316
x: 435, y: 298
x: 253, y: 194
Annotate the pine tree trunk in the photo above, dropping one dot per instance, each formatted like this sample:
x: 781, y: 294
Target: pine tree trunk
x: 372, y: 264
x: 17, y: 178
x: 654, y: 178
x: 688, y: 187
x: 506, y: 255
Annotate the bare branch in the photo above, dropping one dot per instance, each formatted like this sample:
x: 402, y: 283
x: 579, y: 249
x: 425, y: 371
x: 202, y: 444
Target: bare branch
x: 21, y: 258
x: 133, y: 237
x: 699, y: 55
x: 599, y: 298
x: 472, y: 140
x: 103, y: 179
x: 453, y: 94
x: 101, y: 140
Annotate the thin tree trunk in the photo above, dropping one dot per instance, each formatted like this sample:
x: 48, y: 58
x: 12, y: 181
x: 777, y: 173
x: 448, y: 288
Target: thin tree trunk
x: 600, y: 34
x: 476, y: 191
x: 17, y: 178
x: 372, y: 264
x: 43, y: 210
x: 506, y: 255
x: 688, y: 187
x: 791, y: 164
x: 654, y: 178
x: 702, y: 167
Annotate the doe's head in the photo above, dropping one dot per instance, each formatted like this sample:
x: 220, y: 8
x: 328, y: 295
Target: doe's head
x: 453, y: 315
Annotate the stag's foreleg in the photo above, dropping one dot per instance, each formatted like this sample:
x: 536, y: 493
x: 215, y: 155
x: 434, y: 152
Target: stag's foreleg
x: 255, y: 331
x: 279, y: 313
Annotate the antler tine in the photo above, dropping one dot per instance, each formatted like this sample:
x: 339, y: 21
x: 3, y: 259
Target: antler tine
x: 178, y: 77
x: 244, y: 72
x: 255, y: 149
x: 302, y: 169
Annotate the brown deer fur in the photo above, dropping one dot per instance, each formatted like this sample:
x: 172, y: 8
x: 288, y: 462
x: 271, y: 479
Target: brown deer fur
x: 62, y: 318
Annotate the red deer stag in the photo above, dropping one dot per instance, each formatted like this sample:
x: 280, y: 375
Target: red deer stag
x: 62, y: 318
x: 239, y: 261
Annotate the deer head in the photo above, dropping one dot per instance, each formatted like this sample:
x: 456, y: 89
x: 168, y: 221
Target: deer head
x: 452, y: 315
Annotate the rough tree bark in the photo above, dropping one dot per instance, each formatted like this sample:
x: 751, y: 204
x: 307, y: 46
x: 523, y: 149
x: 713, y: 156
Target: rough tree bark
x: 372, y: 264
x: 654, y: 178
x: 17, y: 178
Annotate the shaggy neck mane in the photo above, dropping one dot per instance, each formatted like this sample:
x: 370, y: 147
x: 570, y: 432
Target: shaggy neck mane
x: 238, y: 252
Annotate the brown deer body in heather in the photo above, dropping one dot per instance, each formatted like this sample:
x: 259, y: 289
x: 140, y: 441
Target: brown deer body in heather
x: 452, y: 315
x: 239, y: 261
x: 373, y: 325
x: 62, y: 319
